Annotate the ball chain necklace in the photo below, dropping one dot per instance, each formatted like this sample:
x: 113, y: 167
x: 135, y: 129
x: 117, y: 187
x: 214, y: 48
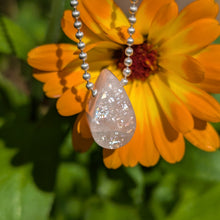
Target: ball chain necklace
x: 110, y: 115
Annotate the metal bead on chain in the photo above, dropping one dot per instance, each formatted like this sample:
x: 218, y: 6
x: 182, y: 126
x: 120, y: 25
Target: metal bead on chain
x: 81, y: 46
x: 129, y: 51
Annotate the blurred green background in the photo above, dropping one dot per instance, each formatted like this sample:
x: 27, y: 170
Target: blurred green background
x: 41, y: 177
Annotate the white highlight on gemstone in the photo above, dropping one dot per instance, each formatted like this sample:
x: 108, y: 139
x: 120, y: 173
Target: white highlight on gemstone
x: 110, y: 114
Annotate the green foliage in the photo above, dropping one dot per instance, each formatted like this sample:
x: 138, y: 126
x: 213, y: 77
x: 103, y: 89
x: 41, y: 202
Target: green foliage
x: 20, y: 197
x: 14, y: 39
x: 41, y: 177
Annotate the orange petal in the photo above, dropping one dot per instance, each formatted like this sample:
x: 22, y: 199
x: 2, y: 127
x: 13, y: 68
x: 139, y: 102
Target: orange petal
x: 46, y: 76
x: 53, y: 86
x: 53, y: 89
x: 203, y: 136
x: 67, y: 24
x: 111, y: 159
x: 51, y: 57
x: 200, y: 104
x: 81, y: 138
x: 109, y: 17
x: 82, y: 127
x: 146, y: 12
x: 164, y: 15
x: 129, y: 153
x: 176, y: 112
x: 72, y: 101
x: 185, y: 66
x: 148, y: 153
x: 65, y: 80
x: 192, y: 38
x: 106, y: 12
x: 210, y: 85
x: 169, y: 142
x: 89, y: 21
x: 56, y: 83
x: 196, y: 10
x: 115, y: 30
x: 210, y: 59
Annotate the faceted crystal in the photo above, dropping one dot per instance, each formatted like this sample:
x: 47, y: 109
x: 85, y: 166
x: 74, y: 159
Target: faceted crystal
x: 110, y: 114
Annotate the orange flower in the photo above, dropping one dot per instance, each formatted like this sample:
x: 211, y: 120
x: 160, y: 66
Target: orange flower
x: 174, y: 69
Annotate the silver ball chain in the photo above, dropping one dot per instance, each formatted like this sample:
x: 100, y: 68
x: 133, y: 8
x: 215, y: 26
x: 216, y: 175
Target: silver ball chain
x: 129, y: 51
x: 81, y: 45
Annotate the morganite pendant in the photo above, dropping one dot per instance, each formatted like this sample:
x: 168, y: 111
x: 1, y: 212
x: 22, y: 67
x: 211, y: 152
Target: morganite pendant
x: 110, y: 114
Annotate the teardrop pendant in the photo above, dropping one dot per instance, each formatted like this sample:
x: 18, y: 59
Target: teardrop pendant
x: 110, y: 114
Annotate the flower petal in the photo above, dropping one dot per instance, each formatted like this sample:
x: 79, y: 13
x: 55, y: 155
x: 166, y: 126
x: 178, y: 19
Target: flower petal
x: 210, y: 85
x: 176, y: 112
x: 203, y: 136
x: 109, y: 17
x: 56, y: 83
x: 51, y: 57
x: 53, y: 87
x: 169, y: 142
x: 129, y: 153
x: 46, y: 76
x: 148, y: 153
x: 196, y: 10
x: 192, y: 38
x: 82, y: 127
x: 111, y: 159
x: 72, y: 101
x: 81, y: 138
x: 67, y: 24
x: 106, y: 12
x: 200, y: 104
x: 210, y: 59
x: 147, y: 11
x: 89, y: 21
x: 165, y: 15
x: 184, y: 66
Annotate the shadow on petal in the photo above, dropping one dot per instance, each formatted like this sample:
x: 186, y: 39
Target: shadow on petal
x: 81, y: 138
x: 203, y: 136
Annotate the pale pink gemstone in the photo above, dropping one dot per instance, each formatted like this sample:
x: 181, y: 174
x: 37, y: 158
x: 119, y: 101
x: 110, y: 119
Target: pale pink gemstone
x: 110, y: 114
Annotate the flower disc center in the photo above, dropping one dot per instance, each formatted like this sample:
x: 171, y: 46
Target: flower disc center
x: 145, y: 61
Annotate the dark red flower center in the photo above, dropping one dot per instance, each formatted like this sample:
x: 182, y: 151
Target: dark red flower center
x: 145, y: 61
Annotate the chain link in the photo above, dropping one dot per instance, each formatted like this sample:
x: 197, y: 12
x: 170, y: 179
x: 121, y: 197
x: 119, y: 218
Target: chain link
x: 129, y: 51
x: 81, y: 46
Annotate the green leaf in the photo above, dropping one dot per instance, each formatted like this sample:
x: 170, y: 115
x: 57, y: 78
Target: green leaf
x: 197, y: 164
x: 20, y: 198
x: 217, y: 41
x: 99, y: 209
x: 56, y: 13
x: 14, y: 39
x: 217, y: 97
x: 70, y: 174
x: 12, y: 95
x: 4, y: 44
x: 73, y: 186
x: 202, y: 207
